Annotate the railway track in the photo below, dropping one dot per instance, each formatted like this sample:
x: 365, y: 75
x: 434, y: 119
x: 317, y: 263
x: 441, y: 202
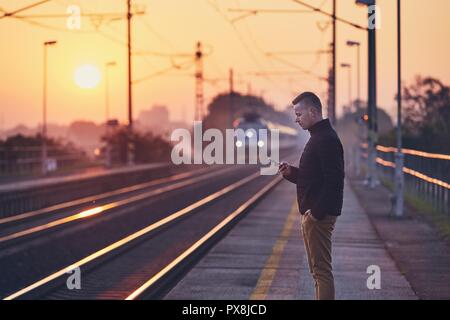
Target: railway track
x: 21, y: 227
x: 146, y: 262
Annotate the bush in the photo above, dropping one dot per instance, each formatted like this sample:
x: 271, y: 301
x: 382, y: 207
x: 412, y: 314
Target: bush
x: 146, y: 147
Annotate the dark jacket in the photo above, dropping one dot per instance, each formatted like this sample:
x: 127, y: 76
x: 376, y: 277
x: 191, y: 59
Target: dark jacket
x: 320, y: 175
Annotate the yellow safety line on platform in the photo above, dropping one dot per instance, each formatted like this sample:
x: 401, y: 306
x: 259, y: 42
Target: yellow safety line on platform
x: 270, y: 268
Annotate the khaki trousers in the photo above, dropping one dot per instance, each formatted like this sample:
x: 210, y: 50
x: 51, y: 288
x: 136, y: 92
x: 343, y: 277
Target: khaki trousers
x: 317, y: 239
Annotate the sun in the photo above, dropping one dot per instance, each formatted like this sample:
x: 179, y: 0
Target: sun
x: 87, y: 76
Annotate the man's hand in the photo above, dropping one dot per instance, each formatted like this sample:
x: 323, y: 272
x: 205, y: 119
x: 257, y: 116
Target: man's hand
x: 285, y: 169
x: 309, y: 214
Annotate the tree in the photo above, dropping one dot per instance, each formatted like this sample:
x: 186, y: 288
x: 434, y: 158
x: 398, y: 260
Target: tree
x: 352, y: 127
x: 426, y: 115
x: 147, y: 146
x: 22, y: 154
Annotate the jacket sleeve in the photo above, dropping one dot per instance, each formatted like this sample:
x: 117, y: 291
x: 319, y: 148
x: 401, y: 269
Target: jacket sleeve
x: 329, y: 153
x: 293, y: 177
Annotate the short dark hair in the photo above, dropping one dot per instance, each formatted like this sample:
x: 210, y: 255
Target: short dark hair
x: 309, y: 99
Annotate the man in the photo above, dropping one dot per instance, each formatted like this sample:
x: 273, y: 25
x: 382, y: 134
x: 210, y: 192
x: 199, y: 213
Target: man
x: 320, y: 186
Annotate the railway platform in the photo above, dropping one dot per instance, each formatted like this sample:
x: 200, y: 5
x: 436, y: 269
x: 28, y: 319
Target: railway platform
x: 263, y: 257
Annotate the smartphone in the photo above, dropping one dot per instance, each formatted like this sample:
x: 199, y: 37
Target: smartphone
x: 274, y: 162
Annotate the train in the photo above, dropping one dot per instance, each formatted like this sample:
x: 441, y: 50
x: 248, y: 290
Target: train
x: 252, y: 136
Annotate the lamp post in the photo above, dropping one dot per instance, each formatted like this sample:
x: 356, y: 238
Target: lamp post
x: 372, y: 179
x: 130, y: 145
x: 108, y: 146
x: 399, y: 157
x: 350, y: 149
x: 231, y: 93
x: 357, y: 44
x: 349, y: 67
x: 107, y: 66
x: 358, y: 71
x: 44, y: 110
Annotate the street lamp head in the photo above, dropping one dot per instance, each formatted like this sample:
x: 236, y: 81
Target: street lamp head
x: 50, y: 43
x: 351, y: 43
x: 365, y: 2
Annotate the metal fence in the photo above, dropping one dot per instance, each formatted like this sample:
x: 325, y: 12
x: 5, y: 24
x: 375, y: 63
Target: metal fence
x: 426, y: 175
x: 17, y: 161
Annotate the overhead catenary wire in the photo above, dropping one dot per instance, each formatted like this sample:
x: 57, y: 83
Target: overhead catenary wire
x: 165, y: 70
x: 254, y: 12
x: 317, y: 53
x: 312, y: 9
x: 257, y: 46
x: 13, y: 13
x: 176, y: 53
x: 319, y: 10
x: 27, y: 19
x: 288, y: 63
x: 250, y: 53
x: 158, y: 35
x: 30, y: 19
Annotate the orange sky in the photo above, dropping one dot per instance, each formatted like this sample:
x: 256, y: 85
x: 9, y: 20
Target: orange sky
x: 174, y: 26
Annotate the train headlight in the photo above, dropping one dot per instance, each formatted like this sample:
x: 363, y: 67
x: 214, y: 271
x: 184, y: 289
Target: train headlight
x: 260, y: 143
x: 238, y: 143
x: 249, y: 134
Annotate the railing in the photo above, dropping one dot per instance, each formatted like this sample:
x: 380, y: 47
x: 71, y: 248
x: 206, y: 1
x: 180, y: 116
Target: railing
x: 17, y: 161
x: 29, y: 195
x: 426, y: 175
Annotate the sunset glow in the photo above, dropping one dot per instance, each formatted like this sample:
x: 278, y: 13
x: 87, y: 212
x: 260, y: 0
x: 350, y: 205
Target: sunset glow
x: 174, y: 27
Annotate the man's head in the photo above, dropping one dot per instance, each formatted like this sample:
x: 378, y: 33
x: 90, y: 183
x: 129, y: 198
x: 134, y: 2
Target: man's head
x: 308, y: 110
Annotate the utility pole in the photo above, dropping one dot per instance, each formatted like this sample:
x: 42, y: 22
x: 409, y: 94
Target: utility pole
x: 199, y: 99
x: 44, y: 110
x: 358, y: 104
x: 199, y: 111
x: 330, y: 83
x: 399, y: 157
x: 130, y: 147
x: 372, y: 100
x: 130, y: 93
x: 231, y: 110
x: 332, y: 112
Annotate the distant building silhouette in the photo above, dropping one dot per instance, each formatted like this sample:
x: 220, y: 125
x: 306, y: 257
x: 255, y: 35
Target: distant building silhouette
x: 155, y: 119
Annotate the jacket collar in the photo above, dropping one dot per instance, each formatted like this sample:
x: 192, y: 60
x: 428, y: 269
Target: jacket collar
x: 320, y: 126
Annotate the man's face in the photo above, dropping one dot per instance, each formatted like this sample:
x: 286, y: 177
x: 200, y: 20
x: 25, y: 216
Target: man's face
x: 304, y: 116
